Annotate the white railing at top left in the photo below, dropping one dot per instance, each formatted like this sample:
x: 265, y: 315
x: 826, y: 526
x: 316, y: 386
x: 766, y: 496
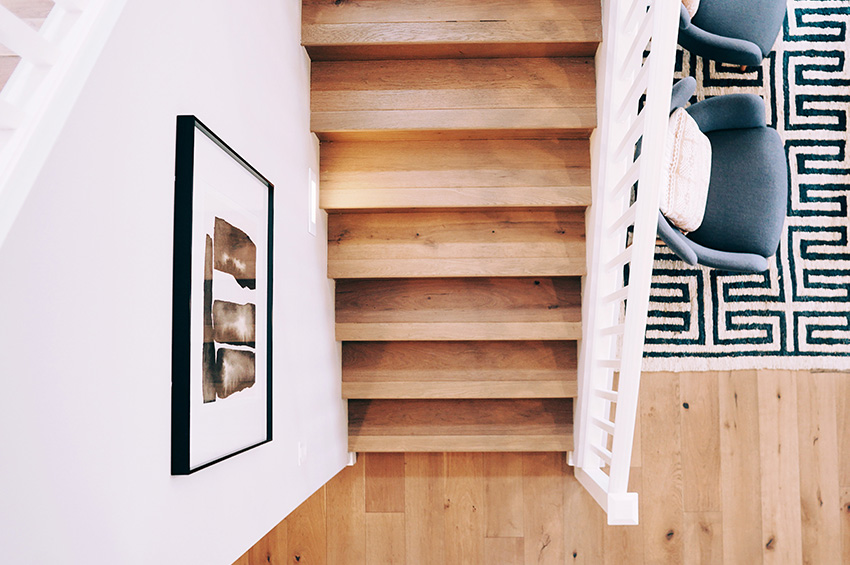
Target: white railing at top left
x: 39, y: 95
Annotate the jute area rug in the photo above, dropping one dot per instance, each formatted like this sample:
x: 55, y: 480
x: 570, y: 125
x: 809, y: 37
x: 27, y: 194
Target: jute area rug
x: 797, y: 314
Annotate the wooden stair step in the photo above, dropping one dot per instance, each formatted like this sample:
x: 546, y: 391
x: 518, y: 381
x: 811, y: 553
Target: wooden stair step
x: 402, y: 29
x: 469, y: 243
x: 460, y: 425
x: 459, y: 369
x: 455, y: 173
x: 454, y: 98
x: 527, y: 308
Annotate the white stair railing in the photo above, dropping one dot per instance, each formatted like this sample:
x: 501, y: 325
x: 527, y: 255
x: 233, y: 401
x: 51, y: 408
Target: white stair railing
x: 635, y: 66
x: 37, y: 99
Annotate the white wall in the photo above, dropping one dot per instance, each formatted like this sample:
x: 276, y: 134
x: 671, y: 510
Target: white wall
x: 85, y: 302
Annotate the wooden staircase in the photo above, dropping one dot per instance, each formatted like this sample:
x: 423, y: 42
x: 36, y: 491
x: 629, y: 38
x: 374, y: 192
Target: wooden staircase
x: 455, y: 170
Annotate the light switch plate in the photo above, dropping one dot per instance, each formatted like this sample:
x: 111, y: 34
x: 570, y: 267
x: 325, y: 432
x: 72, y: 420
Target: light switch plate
x: 313, y: 201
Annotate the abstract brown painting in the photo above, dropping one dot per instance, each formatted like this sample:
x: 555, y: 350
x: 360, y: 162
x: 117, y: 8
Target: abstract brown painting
x: 235, y: 254
x: 235, y: 371
x: 227, y: 370
x: 235, y: 324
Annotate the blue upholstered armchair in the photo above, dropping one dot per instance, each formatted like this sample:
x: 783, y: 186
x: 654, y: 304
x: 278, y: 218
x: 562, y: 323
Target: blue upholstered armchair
x: 748, y: 189
x: 741, y: 32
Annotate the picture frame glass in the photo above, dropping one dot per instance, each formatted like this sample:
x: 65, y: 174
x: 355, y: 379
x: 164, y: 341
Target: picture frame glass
x: 221, y: 380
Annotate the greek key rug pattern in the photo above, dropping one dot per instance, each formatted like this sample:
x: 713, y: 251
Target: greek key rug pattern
x: 797, y: 314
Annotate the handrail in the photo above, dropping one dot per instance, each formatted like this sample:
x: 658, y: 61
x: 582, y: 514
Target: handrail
x: 633, y: 99
x: 37, y: 99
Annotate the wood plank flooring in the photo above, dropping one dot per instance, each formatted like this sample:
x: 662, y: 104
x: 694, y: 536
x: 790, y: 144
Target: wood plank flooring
x: 746, y: 468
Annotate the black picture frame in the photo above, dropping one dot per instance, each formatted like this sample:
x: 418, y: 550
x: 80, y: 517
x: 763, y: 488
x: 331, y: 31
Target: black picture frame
x: 221, y: 394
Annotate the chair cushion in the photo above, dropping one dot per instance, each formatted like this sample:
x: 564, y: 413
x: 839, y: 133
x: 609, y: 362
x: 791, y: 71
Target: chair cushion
x: 758, y: 21
x: 691, y: 6
x: 685, y: 178
x: 748, y: 192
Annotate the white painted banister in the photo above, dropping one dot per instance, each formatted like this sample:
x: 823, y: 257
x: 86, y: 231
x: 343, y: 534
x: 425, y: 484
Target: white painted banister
x: 10, y: 116
x: 24, y: 40
x: 38, y: 97
x: 73, y: 5
x: 634, y: 78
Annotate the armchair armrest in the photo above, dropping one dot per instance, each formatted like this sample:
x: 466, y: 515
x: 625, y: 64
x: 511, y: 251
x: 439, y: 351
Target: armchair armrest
x: 682, y: 92
x: 718, y: 47
x: 728, y: 261
x: 692, y: 253
x: 731, y: 111
x: 676, y: 241
x: 684, y: 17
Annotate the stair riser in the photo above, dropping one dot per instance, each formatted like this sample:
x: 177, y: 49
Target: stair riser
x: 454, y: 125
x: 471, y: 389
x: 459, y: 361
x: 442, y: 197
x: 446, y: 331
x: 460, y: 444
x: 455, y: 47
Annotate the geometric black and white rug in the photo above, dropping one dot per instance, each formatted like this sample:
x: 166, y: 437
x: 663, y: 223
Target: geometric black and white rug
x: 797, y: 314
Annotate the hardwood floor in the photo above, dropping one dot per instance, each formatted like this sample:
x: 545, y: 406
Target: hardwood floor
x: 749, y: 467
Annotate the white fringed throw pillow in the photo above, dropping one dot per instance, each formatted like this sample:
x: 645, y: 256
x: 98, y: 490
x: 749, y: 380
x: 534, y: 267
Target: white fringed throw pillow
x: 691, y: 6
x: 686, y: 173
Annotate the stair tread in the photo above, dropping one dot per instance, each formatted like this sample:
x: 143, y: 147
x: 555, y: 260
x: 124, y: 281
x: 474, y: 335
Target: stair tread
x: 486, y: 308
x: 441, y: 11
x: 455, y: 173
x: 565, y: 82
x: 465, y: 389
x: 465, y: 98
x: 442, y: 331
x: 371, y: 198
x: 457, y: 443
x: 501, y: 242
x: 457, y: 369
x: 460, y: 424
x: 451, y: 124
x: 442, y: 28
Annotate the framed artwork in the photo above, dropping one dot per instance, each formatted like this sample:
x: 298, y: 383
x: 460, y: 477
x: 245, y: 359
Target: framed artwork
x: 221, y: 391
